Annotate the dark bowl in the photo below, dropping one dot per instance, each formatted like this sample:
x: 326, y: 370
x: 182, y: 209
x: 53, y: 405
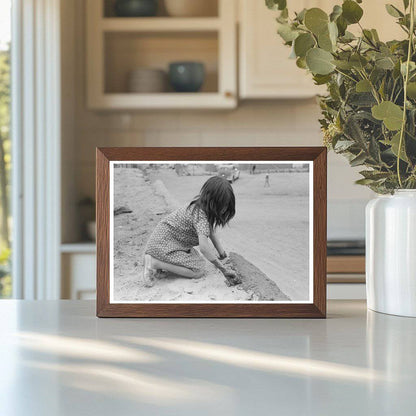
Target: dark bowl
x: 186, y: 76
x: 136, y: 8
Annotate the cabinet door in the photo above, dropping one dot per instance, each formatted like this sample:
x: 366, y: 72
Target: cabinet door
x: 376, y: 17
x: 265, y: 68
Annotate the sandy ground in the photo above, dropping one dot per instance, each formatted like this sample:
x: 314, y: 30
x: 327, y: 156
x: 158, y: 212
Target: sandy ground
x: 271, y: 226
x: 270, y: 230
x: 149, y: 203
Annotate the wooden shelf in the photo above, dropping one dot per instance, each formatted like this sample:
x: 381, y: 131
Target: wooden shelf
x: 81, y: 247
x: 163, y: 101
x: 346, y: 264
x: 345, y: 278
x: 159, y: 24
x: 116, y: 46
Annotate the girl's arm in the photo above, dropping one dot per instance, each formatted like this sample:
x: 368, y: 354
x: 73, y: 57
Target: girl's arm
x: 217, y: 244
x: 209, y: 254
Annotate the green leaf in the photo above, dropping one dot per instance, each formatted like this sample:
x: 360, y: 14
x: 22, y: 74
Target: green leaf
x: 361, y: 99
x: 375, y: 35
x: 319, y: 61
x: 283, y: 17
x: 363, y: 86
x: 412, y: 67
x: 374, y: 150
x: 351, y: 11
x: 396, y: 71
x: 316, y: 20
x: 327, y: 40
x: 385, y: 63
x: 354, y: 131
x: 286, y: 32
x: 368, y: 36
x: 411, y: 90
x: 284, y: 14
x: 333, y: 32
x: 321, y: 79
x: 388, y: 112
x: 393, y: 11
x: 343, y: 145
x: 358, y: 160
x: 336, y: 12
x: 406, y: 4
x: 347, y: 37
x: 382, y: 88
x: 276, y: 4
x: 364, y: 181
x: 301, y: 15
x: 343, y: 65
x: 342, y: 25
x: 374, y: 175
x: 303, y: 43
x: 394, y: 145
x: 358, y: 61
x: 405, y: 21
x: 377, y: 75
x: 301, y: 63
x: 325, y: 43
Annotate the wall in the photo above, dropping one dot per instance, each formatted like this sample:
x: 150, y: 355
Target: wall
x: 264, y: 123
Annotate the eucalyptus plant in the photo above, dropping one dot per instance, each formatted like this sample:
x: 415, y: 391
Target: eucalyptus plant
x: 369, y: 112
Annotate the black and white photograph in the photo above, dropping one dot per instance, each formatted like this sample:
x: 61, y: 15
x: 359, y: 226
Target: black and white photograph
x: 211, y: 232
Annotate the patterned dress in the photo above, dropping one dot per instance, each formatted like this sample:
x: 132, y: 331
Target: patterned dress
x: 174, y: 238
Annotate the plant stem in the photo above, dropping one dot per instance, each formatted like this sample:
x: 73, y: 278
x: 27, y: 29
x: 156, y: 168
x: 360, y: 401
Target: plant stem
x: 405, y: 81
x: 345, y: 75
x: 373, y: 90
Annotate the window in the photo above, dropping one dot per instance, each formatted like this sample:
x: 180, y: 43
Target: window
x: 5, y: 145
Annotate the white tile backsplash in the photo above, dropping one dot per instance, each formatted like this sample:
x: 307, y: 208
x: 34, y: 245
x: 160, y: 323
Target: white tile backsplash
x: 272, y: 123
x: 346, y: 219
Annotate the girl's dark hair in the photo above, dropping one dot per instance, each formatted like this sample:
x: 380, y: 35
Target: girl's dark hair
x: 217, y: 200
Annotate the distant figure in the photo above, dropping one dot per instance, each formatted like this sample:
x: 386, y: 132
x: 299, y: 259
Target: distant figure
x: 253, y: 169
x: 178, y: 169
x: 171, y: 246
x: 267, y: 181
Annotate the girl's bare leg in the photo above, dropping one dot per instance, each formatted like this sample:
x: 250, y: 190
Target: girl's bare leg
x: 179, y: 270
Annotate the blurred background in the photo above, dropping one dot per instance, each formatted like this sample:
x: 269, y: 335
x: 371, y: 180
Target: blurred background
x: 145, y: 73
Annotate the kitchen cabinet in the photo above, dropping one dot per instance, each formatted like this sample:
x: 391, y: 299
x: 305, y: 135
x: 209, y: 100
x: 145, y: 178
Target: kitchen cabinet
x: 116, y: 46
x: 265, y: 70
x: 78, y: 263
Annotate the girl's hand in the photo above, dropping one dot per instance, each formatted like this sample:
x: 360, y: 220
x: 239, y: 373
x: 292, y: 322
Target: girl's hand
x: 230, y: 273
x: 232, y: 278
x: 223, y: 255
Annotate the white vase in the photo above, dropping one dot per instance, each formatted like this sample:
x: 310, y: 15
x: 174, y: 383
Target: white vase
x: 391, y: 253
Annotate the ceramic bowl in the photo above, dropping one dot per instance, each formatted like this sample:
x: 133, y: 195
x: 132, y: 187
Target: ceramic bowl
x: 147, y: 80
x: 186, y: 76
x: 135, y: 8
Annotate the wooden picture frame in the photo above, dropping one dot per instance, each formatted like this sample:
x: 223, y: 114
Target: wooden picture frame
x: 316, y: 308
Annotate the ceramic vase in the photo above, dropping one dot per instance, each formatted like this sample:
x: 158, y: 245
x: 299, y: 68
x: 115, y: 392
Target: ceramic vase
x: 391, y: 253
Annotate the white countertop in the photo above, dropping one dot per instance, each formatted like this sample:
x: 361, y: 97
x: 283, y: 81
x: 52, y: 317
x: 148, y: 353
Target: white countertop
x: 58, y: 359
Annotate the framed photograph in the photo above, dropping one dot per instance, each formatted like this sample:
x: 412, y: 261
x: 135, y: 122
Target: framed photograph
x: 211, y: 232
